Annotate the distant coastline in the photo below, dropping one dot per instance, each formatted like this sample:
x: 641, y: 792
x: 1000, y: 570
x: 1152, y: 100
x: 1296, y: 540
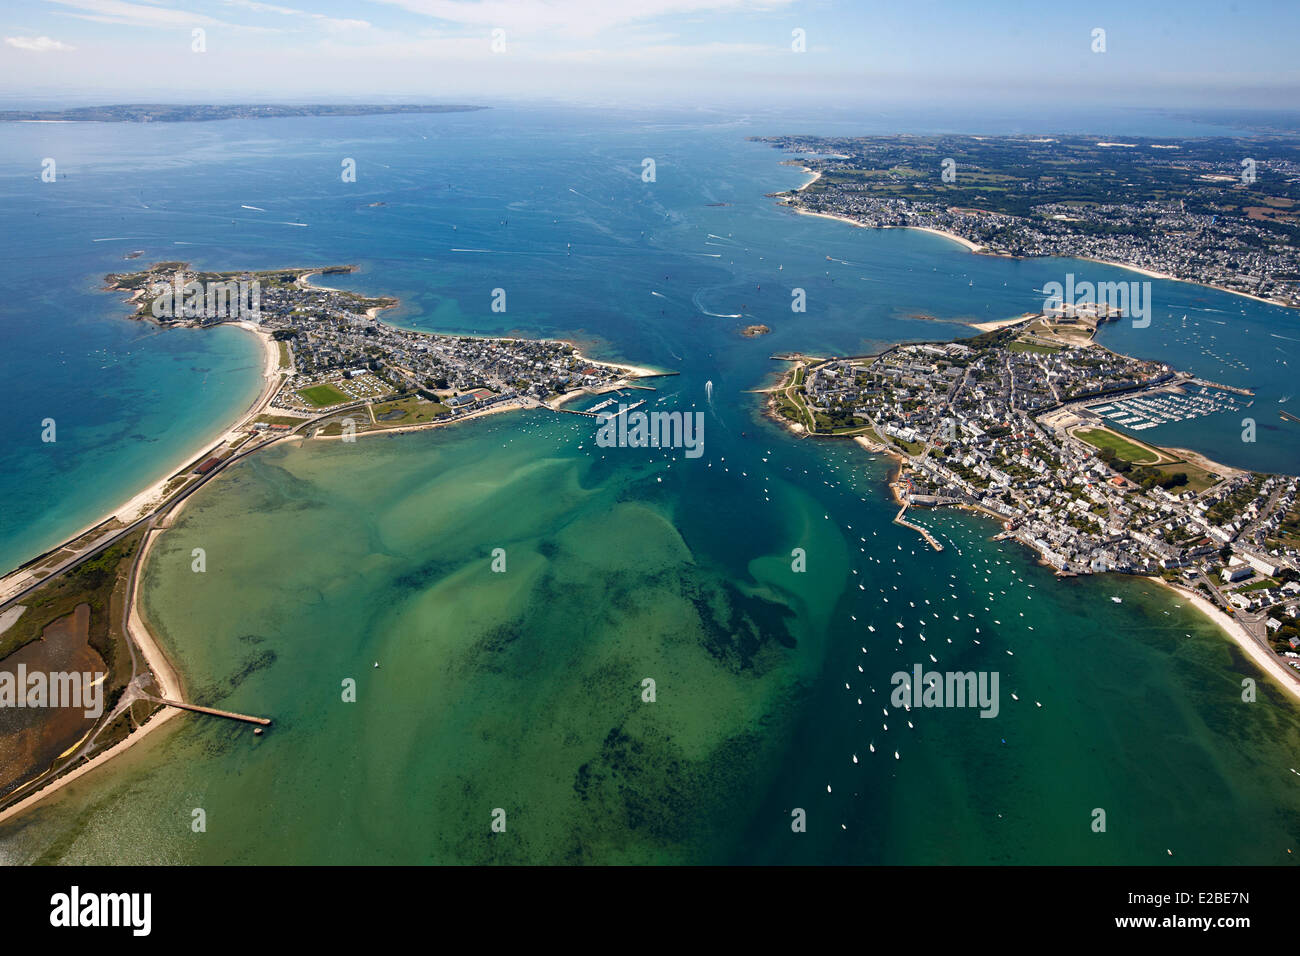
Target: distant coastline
x: 983, y: 251
x: 890, y: 199
x: 170, y: 113
x: 960, y: 240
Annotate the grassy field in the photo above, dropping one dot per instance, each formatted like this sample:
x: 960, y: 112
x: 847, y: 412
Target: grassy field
x: 335, y: 426
x: 1198, y: 479
x: 1129, y: 451
x: 1259, y: 585
x: 280, y: 419
x: 1033, y: 347
x: 853, y: 431
x: 414, y: 412
x: 323, y: 395
x: 285, y: 361
x: 789, y: 400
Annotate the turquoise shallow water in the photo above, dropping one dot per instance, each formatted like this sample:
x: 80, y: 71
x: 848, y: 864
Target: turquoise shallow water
x: 522, y: 690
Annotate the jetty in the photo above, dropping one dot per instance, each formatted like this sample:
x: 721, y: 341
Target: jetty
x: 1223, y: 388
x: 595, y: 408
x: 929, y: 538
x: 228, y: 714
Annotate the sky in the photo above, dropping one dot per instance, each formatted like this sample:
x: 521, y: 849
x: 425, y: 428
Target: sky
x: 654, y: 52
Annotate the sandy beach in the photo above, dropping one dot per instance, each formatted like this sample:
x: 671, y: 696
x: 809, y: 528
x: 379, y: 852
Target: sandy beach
x: 151, y: 496
x: 1288, y: 678
x: 972, y: 246
x: 634, y: 371
x: 997, y: 324
x: 1151, y: 273
x: 149, y: 726
x: 827, y: 215
x: 874, y: 447
x: 977, y: 248
x: 1200, y: 461
x: 966, y: 243
x: 169, y: 682
x: 169, y: 687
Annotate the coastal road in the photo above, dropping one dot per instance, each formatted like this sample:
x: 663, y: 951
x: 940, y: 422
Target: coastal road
x: 80, y: 559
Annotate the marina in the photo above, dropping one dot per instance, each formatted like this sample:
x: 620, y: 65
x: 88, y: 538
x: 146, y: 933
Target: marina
x: 1162, y: 407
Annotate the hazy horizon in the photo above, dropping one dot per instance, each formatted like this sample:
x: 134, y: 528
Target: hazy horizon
x: 669, y: 53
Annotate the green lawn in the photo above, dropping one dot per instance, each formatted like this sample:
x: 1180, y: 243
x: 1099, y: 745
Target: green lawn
x: 1123, y: 448
x: 414, y: 412
x: 1198, y: 479
x: 323, y: 395
x: 1034, y: 347
x: 1259, y: 585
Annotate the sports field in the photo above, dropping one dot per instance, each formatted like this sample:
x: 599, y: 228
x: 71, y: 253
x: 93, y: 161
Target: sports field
x: 323, y: 395
x: 1129, y: 451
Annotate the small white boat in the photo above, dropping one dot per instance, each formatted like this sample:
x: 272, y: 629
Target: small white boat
x: 1117, y: 600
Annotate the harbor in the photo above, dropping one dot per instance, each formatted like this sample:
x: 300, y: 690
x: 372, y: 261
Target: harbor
x: 1161, y: 407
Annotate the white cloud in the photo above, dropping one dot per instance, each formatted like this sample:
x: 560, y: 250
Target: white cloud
x: 135, y: 14
x: 665, y: 52
x: 38, y: 44
x: 577, y: 17
x: 333, y: 24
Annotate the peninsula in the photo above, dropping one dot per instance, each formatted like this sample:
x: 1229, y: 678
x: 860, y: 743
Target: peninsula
x: 1219, y: 212
x: 1022, y: 423
x: 331, y: 370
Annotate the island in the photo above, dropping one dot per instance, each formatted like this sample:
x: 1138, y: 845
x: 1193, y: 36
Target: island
x: 171, y: 113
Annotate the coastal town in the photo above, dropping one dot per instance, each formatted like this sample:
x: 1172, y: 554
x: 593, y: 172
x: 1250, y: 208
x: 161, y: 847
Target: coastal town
x: 1020, y: 423
x: 1221, y: 214
x: 335, y: 355
x: 331, y: 370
